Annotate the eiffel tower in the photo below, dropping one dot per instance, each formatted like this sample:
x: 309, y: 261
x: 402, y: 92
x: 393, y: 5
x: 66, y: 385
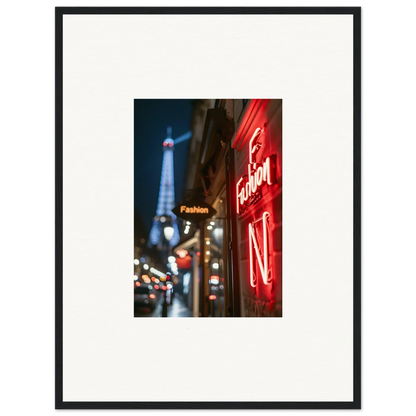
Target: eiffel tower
x: 164, y: 232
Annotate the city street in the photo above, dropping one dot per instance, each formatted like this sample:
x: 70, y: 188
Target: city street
x: 176, y: 310
x: 209, y: 232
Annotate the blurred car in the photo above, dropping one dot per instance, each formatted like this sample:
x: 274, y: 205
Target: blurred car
x: 144, y: 298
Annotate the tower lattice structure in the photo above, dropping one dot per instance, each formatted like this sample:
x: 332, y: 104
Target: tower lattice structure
x: 166, y: 202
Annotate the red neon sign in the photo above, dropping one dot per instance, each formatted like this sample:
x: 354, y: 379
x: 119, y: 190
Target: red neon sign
x: 259, y: 252
x: 249, y: 191
x: 258, y: 174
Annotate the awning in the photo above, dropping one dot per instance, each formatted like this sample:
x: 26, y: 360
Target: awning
x: 188, y: 244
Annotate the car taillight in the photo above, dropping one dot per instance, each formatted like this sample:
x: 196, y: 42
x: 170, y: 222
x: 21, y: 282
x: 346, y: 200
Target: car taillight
x: 152, y: 296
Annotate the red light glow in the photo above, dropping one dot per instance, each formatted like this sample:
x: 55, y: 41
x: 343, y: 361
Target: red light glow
x: 152, y: 296
x: 137, y: 283
x: 257, y: 204
x: 214, y: 280
x: 163, y: 287
x: 156, y: 287
x: 212, y: 297
x: 181, y: 253
x: 263, y: 263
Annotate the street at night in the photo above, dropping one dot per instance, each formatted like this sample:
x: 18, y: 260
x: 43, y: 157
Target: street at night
x: 176, y: 310
x: 208, y: 208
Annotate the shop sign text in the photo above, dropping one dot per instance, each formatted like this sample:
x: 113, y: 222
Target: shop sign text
x: 258, y: 175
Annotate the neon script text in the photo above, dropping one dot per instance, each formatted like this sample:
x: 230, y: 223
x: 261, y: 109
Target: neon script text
x: 258, y: 174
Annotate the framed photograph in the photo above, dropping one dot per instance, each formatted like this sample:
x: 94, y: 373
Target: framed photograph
x: 208, y: 171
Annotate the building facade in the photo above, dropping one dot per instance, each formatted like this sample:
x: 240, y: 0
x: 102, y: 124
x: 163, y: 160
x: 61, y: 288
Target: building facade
x: 236, y: 255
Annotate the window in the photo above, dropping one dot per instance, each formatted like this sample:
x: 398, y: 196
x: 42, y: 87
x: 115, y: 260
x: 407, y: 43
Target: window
x: 215, y: 256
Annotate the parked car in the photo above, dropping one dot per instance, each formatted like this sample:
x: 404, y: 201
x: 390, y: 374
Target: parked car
x: 144, y: 298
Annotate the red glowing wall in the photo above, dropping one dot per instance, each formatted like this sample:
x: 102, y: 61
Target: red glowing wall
x: 260, y: 290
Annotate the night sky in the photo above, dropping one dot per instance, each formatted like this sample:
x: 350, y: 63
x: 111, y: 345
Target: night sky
x: 151, y: 119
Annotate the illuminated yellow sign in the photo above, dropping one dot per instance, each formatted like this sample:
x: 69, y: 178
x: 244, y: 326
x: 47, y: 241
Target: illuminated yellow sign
x: 194, y: 210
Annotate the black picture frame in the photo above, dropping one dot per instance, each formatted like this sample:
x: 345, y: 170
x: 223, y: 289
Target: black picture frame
x: 60, y: 12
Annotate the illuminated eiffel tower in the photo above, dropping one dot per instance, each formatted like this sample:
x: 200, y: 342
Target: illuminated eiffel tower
x: 164, y: 232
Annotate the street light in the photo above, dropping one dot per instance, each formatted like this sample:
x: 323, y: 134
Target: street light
x: 168, y: 232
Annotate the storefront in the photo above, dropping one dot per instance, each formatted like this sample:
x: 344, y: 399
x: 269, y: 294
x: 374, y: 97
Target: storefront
x: 188, y: 252
x: 214, y: 260
x: 237, y: 253
x: 257, y: 207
